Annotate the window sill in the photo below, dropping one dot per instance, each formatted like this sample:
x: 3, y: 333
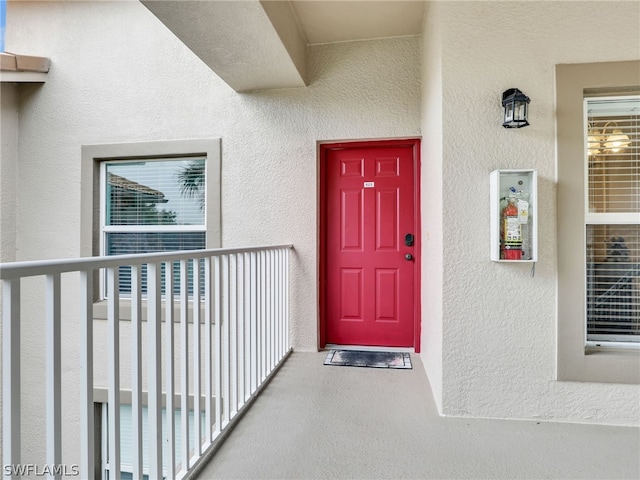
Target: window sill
x: 615, y: 348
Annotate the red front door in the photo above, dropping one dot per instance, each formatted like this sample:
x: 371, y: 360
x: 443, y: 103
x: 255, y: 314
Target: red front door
x: 370, y: 245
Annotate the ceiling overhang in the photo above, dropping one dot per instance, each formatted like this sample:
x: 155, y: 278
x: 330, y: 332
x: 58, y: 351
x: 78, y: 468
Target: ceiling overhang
x: 251, y: 45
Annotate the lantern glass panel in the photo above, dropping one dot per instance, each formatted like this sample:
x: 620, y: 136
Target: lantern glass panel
x: 508, y: 112
x: 520, y: 111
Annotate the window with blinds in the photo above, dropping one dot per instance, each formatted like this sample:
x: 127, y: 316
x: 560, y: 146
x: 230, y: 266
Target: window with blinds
x: 612, y: 220
x: 127, y: 449
x: 152, y: 206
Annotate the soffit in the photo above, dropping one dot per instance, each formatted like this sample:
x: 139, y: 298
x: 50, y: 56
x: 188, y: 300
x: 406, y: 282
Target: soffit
x: 344, y: 21
x: 236, y: 39
x: 256, y: 45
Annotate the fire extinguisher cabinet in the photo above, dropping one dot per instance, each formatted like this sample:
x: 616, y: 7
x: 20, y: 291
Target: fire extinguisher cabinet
x: 514, y: 212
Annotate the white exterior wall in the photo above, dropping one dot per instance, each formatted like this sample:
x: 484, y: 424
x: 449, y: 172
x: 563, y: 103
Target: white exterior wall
x: 8, y: 168
x: 118, y: 75
x: 498, y: 323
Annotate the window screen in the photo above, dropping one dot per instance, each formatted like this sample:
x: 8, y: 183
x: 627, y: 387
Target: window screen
x: 152, y: 206
x: 612, y: 223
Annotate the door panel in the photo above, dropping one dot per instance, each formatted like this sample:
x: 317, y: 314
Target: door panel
x: 370, y: 207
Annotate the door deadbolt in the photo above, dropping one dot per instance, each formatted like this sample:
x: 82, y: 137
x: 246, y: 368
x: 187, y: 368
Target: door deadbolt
x: 409, y: 239
x: 408, y: 256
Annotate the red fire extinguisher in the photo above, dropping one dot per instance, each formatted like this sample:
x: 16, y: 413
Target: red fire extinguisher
x: 511, y: 231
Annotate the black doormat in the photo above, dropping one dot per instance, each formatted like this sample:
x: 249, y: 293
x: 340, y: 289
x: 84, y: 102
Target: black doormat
x: 359, y: 358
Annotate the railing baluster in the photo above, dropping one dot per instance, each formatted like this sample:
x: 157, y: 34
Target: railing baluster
x: 246, y: 331
x: 53, y: 372
x: 274, y: 308
x: 276, y: 319
x: 253, y: 321
x: 286, y: 300
x: 113, y: 325
x: 87, y: 422
x: 184, y: 359
x: 136, y: 372
x: 283, y: 296
x: 154, y: 409
x: 283, y: 286
x: 170, y: 371
x: 233, y: 336
x: 259, y: 318
x: 217, y: 347
x: 278, y: 304
x: 276, y: 294
x: 208, y: 355
x: 226, y: 389
x: 269, y: 311
x: 240, y: 330
x: 197, y: 434
x: 263, y: 316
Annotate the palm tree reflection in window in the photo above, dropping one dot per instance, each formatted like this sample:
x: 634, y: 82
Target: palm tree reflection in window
x: 192, y: 181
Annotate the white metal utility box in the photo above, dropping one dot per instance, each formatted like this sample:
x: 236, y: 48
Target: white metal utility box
x: 514, y: 212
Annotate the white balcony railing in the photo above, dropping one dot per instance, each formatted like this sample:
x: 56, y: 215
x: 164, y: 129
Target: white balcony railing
x: 232, y: 316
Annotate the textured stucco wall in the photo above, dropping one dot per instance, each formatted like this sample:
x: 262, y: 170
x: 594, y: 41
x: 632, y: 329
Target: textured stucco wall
x: 8, y: 170
x: 499, y: 323
x: 118, y: 75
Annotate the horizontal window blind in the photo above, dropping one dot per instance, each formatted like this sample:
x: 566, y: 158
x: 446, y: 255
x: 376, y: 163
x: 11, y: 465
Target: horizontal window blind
x: 614, y: 169
x: 155, y: 192
x: 613, y: 219
x: 613, y: 282
x: 149, y: 242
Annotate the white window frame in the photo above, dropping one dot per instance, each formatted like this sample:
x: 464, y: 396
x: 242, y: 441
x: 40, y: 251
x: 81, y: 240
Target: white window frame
x: 574, y: 362
x: 92, y: 207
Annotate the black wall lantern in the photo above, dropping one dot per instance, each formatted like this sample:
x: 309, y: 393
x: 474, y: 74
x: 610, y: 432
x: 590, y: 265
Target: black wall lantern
x: 516, y: 108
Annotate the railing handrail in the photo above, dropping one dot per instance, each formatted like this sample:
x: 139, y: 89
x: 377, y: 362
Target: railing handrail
x: 31, y: 268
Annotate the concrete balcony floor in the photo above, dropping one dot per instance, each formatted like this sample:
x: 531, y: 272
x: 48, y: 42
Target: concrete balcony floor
x: 316, y: 421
